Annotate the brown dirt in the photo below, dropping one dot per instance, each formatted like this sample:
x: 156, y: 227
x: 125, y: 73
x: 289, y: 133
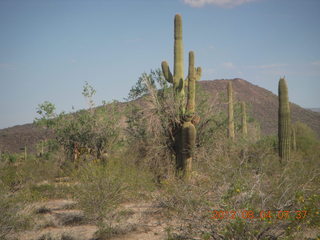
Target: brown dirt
x: 54, y: 219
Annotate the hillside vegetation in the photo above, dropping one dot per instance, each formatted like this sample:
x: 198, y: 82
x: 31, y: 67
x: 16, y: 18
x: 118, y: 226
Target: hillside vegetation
x: 262, y: 106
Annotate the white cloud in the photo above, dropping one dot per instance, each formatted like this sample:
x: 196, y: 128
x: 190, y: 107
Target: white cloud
x: 228, y: 65
x: 316, y: 63
x: 219, y: 3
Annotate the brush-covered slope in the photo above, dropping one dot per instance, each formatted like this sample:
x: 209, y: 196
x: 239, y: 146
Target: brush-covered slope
x: 262, y: 105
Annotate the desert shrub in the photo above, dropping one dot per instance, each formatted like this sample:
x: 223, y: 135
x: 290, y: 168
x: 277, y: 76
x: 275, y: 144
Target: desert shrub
x: 8, y: 157
x: 152, y: 120
x: 236, y: 182
x: 92, y: 131
x: 12, y: 217
x: 99, y: 192
x: 306, y: 140
x: 32, y: 179
x: 102, y: 187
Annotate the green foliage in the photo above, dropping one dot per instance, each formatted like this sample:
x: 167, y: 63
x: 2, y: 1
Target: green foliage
x: 99, y: 192
x: 12, y: 218
x: 88, y: 92
x: 238, y: 229
x: 8, y: 157
x: 150, y: 126
x: 46, y: 110
x: 22, y: 182
x: 93, y: 132
x: 213, y: 125
x: 102, y: 187
x: 306, y: 139
x: 249, y: 177
x: 154, y: 80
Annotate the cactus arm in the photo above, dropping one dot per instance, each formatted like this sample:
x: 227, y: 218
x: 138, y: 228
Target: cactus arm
x: 178, y: 75
x: 198, y: 73
x: 191, y: 85
x: 178, y: 48
x: 166, y: 72
x: 244, y: 120
x: 186, y: 82
x: 293, y: 138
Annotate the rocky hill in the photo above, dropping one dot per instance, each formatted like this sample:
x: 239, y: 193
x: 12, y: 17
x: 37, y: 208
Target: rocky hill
x: 262, y: 106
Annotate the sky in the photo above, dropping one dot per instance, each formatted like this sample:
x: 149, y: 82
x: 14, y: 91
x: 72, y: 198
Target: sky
x: 50, y: 48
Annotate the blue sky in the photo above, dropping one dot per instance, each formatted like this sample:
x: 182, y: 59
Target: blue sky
x: 49, y: 48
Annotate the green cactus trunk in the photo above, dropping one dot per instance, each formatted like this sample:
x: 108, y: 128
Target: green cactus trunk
x: 230, y: 112
x: 244, y: 127
x: 284, y: 121
x: 25, y: 152
x: 186, y: 132
x: 258, y: 132
x: 293, y: 138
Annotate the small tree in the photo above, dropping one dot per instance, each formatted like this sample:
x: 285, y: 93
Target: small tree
x: 46, y: 110
x: 151, y: 122
x: 90, y: 131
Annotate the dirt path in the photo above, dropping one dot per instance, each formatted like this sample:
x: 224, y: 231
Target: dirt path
x: 59, y: 220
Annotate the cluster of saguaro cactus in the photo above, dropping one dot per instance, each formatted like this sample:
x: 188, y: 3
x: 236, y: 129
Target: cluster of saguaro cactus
x: 244, y: 127
x: 230, y: 112
x: 186, y: 133
x: 284, y: 126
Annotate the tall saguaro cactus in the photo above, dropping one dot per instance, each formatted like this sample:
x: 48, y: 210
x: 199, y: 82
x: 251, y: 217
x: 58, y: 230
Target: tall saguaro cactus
x: 284, y: 121
x: 230, y: 112
x: 185, y: 135
x: 293, y: 138
x: 244, y: 127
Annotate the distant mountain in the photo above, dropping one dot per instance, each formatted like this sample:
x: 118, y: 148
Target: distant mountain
x: 262, y: 105
x: 14, y: 139
x: 315, y: 109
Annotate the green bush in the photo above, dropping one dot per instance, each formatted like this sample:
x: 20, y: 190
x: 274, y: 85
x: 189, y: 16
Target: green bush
x: 12, y: 218
x: 102, y: 187
x: 306, y: 139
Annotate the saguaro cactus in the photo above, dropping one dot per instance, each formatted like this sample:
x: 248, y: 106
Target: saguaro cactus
x: 230, y: 112
x: 293, y: 138
x: 257, y: 131
x: 244, y: 127
x: 284, y: 121
x: 185, y: 133
x: 25, y: 152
